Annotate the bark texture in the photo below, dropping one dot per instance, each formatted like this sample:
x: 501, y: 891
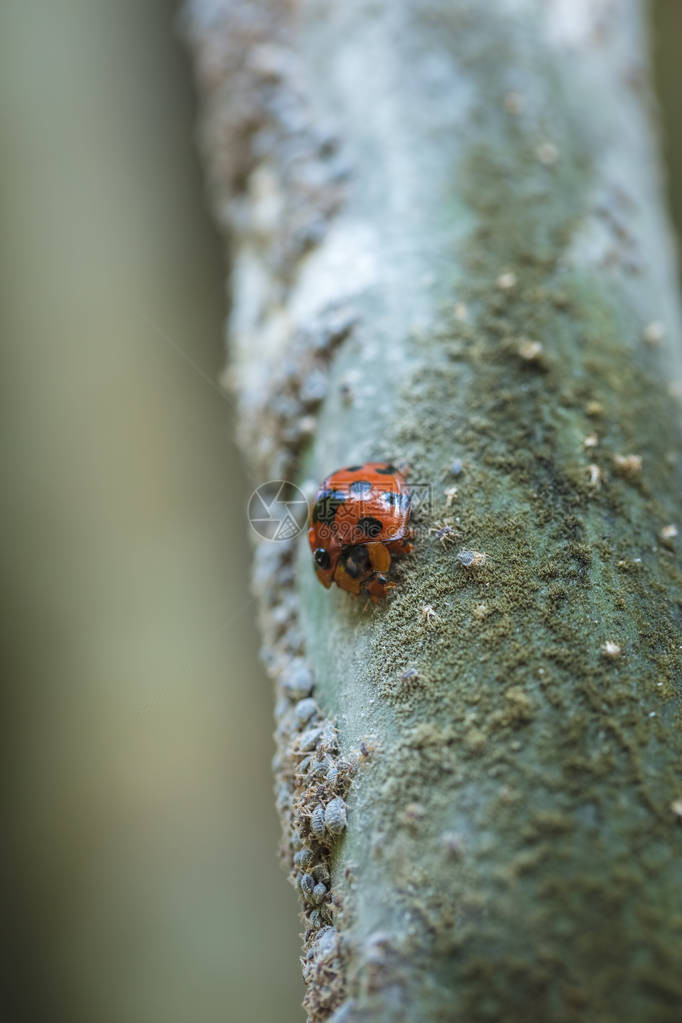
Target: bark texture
x: 447, y: 242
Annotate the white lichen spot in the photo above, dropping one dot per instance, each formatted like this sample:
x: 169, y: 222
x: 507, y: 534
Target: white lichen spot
x: 472, y: 559
x: 413, y: 814
x: 591, y: 441
x: 529, y: 351
x: 611, y: 649
x: 475, y: 740
x: 266, y: 201
x: 306, y: 426
x: 506, y: 281
x: 654, y: 333
x: 676, y: 807
x: 428, y: 614
x: 547, y: 153
x: 668, y: 534
x: 454, y: 846
x: 595, y: 476
x: 629, y: 466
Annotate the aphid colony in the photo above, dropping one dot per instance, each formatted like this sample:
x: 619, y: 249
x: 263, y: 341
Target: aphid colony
x: 321, y: 780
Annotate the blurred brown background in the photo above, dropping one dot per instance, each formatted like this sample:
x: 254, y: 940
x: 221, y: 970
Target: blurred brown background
x: 143, y: 838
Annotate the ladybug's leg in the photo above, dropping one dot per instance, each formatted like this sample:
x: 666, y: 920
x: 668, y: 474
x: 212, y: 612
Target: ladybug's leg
x: 398, y: 547
x: 378, y: 586
x: 346, y: 581
x: 379, y: 557
x: 321, y: 576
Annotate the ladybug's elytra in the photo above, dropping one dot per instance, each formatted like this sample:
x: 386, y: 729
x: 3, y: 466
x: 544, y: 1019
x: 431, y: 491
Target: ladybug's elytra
x: 358, y: 522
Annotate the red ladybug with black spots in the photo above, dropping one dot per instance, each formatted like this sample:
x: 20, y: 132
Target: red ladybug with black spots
x: 358, y: 523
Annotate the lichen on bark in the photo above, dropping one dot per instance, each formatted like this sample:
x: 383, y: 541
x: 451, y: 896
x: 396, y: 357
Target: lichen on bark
x: 480, y: 288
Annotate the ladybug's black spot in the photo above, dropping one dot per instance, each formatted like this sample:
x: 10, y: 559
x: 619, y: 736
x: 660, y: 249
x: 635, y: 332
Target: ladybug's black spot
x: 356, y: 561
x: 326, y: 506
x: 322, y: 559
x: 360, y: 488
x: 369, y: 526
x: 352, y: 468
x: 386, y: 470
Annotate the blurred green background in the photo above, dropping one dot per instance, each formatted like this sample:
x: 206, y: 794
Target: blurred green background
x: 142, y: 838
x: 145, y: 837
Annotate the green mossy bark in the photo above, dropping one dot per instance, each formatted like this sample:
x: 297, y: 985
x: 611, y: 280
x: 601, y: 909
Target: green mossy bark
x: 512, y: 850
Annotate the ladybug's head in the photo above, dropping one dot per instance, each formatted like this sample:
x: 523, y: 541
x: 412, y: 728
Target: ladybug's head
x: 325, y: 564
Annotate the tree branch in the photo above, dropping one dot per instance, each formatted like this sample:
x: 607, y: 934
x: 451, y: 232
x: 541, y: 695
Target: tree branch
x: 448, y: 242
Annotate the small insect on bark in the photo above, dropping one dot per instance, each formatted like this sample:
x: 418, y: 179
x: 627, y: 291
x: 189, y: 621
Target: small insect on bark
x: 358, y: 525
x: 335, y: 816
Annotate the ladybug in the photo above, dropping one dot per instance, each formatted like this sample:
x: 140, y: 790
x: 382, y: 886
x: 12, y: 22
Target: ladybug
x: 358, y: 521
